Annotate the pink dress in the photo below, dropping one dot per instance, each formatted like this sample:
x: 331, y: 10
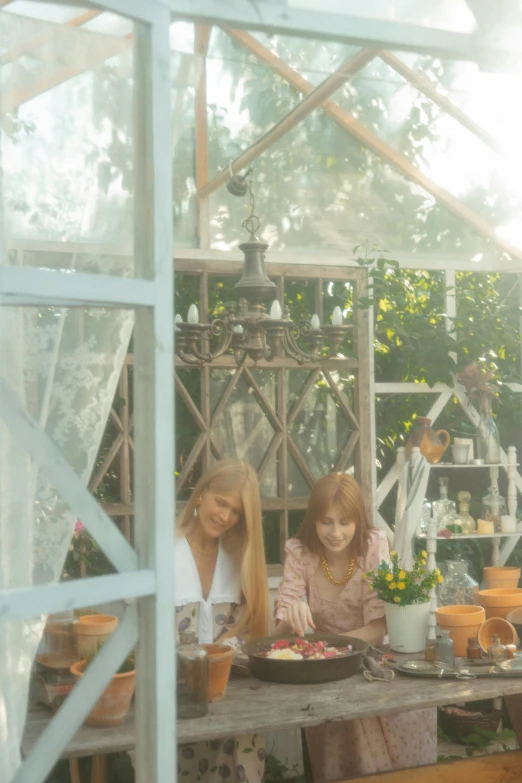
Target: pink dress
x: 367, y: 745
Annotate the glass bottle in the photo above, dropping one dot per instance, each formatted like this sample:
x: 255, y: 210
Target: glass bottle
x: 467, y: 522
x: 425, y: 518
x: 496, y: 650
x: 446, y: 649
x: 458, y: 587
x: 60, y: 638
x: 494, y: 506
x: 191, y: 677
x: 430, y: 650
x: 444, y: 510
x: 488, y: 439
x: 473, y: 652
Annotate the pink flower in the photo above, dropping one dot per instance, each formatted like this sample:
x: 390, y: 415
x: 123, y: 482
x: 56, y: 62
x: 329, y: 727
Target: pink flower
x: 78, y: 528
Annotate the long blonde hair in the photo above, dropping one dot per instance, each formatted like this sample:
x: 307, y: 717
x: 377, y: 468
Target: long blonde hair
x: 342, y: 490
x: 244, y: 541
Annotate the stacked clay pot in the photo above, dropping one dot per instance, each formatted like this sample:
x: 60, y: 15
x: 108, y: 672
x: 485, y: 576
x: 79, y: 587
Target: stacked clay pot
x: 500, y: 601
x: 462, y: 622
x: 501, y: 576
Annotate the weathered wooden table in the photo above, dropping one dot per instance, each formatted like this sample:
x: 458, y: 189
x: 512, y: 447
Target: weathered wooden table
x: 252, y: 705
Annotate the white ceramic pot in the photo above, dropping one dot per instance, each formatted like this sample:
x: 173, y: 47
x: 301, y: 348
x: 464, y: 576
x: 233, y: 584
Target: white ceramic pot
x: 407, y: 626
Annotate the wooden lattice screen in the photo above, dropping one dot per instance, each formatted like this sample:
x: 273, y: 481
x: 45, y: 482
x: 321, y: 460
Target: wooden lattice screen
x: 292, y: 422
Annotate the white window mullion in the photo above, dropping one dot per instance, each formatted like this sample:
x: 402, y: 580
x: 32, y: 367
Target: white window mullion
x: 26, y: 602
x: 154, y: 405
x: 23, y: 285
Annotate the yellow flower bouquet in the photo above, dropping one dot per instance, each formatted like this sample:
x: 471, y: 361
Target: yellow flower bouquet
x: 394, y: 585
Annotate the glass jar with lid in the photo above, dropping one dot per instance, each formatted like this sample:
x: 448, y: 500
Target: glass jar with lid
x: 192, y: 677
x: 458, y: 587
x: 494, y: 506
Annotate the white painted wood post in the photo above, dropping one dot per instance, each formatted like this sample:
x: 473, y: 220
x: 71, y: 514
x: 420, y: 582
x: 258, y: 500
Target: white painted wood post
x: 401, y: 460
x: 512, y: 487
x: 431, y: 548
x: 154, y: 403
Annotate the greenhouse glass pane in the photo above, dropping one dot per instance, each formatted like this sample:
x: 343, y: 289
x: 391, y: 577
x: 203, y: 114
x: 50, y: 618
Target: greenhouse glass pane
x: 68, y: 144
x: 319, y: 188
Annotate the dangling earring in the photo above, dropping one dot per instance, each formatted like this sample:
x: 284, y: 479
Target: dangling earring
x: 198, y: 503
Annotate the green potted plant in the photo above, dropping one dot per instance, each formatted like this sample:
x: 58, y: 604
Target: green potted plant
x: 406, y: 597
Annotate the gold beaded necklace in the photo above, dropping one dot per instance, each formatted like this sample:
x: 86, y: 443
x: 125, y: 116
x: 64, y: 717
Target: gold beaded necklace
x: 205, y: 552
x: 332, y: 579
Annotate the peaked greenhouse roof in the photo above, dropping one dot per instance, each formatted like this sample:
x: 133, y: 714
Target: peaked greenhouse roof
x: 414, y: 153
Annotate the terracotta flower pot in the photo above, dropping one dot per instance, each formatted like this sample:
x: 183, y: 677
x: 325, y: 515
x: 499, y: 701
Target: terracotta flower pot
x: 499, y: 601
x: 515, y: 618
x: 496, y: 625
x: 501, y: 576
x: 113, y: 705
x: 220, y: 659
x: 92, y: 631
x: 462, y: 622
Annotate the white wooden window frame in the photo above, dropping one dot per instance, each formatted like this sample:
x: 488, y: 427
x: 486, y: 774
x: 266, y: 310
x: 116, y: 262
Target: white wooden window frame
x: 145, y: 579
x: 282, y: 16
x: 147, y: 574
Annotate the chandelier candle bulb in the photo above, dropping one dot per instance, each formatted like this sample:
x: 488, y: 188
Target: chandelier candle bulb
x: 193, y: 315
x: 238, y: 329
x: 177, y: 320
x: 337, y: 316
x: 315, y: 322
x: 276, y: 312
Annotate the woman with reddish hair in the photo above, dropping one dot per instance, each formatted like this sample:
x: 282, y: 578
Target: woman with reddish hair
x: 324, y: 588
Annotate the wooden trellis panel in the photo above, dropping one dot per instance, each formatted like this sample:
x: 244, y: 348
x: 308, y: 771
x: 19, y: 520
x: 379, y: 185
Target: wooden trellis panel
x: 354, y: 446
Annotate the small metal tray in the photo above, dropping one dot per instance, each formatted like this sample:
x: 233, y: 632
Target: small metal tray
x: 432, y: 671
x: 436, y: 671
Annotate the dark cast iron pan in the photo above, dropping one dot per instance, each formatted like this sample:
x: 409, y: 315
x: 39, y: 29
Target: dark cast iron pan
x: 307, y: 671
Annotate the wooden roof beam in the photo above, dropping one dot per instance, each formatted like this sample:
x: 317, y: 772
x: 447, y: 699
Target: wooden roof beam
x: 314, y: 98
x: 201, y: 41
x: 379, y: 147
x: 39, y: 40
x: 15, y: 98
x: 430, y: 91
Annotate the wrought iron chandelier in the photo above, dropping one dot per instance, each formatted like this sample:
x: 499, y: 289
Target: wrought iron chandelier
x: 248, y: 330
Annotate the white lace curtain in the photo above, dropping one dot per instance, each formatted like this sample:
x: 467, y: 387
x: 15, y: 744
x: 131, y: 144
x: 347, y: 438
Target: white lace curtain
x: 65, y: 374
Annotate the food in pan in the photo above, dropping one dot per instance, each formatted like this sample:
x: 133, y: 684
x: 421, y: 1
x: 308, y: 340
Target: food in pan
x: 301, y: 650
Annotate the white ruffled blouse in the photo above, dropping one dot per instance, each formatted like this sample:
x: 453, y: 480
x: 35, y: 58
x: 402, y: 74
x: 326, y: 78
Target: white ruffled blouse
x: 216, y: 615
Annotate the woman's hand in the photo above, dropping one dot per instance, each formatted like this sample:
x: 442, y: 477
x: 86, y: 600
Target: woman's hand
x: 299, y: 617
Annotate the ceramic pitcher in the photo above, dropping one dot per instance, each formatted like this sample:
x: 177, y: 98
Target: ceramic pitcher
x: 432, y: 443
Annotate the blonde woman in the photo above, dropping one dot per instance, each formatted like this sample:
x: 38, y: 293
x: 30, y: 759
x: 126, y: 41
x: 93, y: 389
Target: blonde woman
x: 323, y: 588
x: 221, y: 593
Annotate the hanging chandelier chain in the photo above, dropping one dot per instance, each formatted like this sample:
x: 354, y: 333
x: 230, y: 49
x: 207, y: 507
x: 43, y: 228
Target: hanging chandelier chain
x: 251, y: 223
